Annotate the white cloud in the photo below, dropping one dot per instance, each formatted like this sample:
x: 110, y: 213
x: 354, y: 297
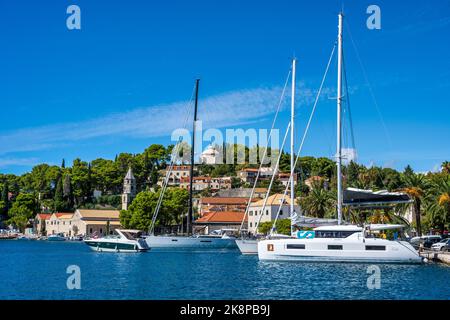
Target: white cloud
x: 219, y: 111
x: 6, y: 162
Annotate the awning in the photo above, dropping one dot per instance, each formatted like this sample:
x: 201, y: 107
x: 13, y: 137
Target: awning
x: 368, y: 198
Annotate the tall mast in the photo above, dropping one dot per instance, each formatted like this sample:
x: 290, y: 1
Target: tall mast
x: 292, y: 139
x: 191, y: 171
x: 339, y: 124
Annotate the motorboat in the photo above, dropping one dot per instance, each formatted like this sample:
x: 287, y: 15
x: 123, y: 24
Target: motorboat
x: 56, y: 237
x: 125, y: 240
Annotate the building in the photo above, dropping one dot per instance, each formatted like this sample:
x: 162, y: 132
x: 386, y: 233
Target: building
x: 210, y: 204
x: 129, y: 189
x: 219, y: 220
x: 313, y: 180
x: 60, y: 222
x: 202, y: 183
x: 285, y: 178
x: 248, y: 175
x: 211, y: 156
x: 39, y: 225
x: 242, y: 193
x: 176, y: 174
x: 198, y: 183
x: 270, y: 212
x: 95, y: 222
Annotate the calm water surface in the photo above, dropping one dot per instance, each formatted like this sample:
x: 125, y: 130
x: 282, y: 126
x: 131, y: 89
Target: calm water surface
x: 37, y: 270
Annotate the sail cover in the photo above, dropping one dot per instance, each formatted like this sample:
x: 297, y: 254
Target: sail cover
x: 360, y: 197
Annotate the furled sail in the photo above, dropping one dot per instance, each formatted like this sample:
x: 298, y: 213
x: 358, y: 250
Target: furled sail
x: 369, y: 198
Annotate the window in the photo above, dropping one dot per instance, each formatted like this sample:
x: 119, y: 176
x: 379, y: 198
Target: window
x: 251, y: 213
x: 250, y: 224
x: 90, y: 230
x: 334, y: 247
x: 267, y: 212
x: 101, y: 230
x: 295, y: 246
x: 281, y: 212
x: 379, y: 248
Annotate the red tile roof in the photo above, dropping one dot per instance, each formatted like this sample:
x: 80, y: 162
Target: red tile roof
x: 44, y: 216
x: 225, y: 200
x: 221, y: 217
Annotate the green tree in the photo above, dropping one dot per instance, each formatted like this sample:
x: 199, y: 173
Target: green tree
x: 319, y: 202
x: 414, y: 186
x: 59, y: 202
x: 23, y: 209
x: 282, y: 226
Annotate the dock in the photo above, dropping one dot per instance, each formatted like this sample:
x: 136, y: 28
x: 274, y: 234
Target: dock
x: 437, y: 256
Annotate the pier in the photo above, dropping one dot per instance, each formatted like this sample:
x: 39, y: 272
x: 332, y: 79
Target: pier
x: 438, y: 256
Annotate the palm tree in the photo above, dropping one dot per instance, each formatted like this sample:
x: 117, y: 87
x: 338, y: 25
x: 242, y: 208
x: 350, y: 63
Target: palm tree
x: 446, y: 167
x: 439, y: 201
x: 414, y: 186
x: 319, y: 201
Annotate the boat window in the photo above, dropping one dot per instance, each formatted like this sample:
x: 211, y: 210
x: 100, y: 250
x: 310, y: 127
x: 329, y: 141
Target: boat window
x: 334, y: 247
x: 380, y: 248
x: 295, y: 246
x: 334, y: 234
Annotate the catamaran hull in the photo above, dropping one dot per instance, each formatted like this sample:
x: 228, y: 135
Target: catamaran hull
x: 247, y: 246
x: 318, y: 251
x: 189, y: 243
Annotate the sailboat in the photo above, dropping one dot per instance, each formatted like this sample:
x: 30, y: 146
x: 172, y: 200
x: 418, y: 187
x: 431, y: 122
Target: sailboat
x: 339, y: 243
x: 250, y: 246
x: 189, y: 241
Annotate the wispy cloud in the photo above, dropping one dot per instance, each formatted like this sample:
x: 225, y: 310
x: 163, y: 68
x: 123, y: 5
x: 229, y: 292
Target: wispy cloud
x: 6, y: 162
x: 223, y: 110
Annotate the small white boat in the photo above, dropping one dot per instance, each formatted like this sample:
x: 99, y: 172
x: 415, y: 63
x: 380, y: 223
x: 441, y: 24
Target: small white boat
x: 125, y: 240
x: 56, y: 237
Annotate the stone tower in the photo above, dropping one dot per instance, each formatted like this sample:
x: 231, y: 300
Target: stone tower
x: 129, y: 189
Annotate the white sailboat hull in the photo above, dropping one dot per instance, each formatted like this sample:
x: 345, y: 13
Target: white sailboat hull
x: 353, y: 250
x: 249, y: 246
x: 190, y: 243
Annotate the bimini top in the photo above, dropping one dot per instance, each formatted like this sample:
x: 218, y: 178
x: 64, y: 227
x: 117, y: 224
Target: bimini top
x: 339, y: 228
x: 369, y: 198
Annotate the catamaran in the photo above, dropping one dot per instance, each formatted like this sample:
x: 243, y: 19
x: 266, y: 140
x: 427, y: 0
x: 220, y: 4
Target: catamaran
x: 188, y: 241
x: 340, y: 243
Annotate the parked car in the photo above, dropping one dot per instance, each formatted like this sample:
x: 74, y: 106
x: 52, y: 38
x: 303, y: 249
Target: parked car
x: 442, y: 245
x: 427, y: 241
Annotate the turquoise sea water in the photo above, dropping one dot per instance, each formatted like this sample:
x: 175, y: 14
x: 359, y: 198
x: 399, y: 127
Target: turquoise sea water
x: 37, y: 270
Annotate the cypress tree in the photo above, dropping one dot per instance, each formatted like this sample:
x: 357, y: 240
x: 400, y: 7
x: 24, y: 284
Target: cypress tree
x: 5, y: 200
x: 59, y: 195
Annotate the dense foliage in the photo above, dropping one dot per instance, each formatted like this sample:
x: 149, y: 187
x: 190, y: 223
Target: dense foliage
x: 54, y: 188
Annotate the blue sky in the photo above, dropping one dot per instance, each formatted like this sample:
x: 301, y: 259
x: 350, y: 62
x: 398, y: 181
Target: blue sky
x: 121, y: 82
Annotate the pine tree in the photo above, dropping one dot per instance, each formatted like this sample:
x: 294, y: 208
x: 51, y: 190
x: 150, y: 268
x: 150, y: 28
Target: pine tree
x: 63, y: 164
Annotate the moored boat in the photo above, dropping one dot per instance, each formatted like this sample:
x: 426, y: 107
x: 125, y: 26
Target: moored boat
x: 56, y: 237
x: 125, y: 240
x: 343, y: 243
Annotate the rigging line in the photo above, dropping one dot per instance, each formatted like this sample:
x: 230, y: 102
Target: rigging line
x: 175, y: 152
x: 347, y: 100
x: 275, y: 171
x: 306, y: 132
x: 386, y: 132
x: 265, y: 150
